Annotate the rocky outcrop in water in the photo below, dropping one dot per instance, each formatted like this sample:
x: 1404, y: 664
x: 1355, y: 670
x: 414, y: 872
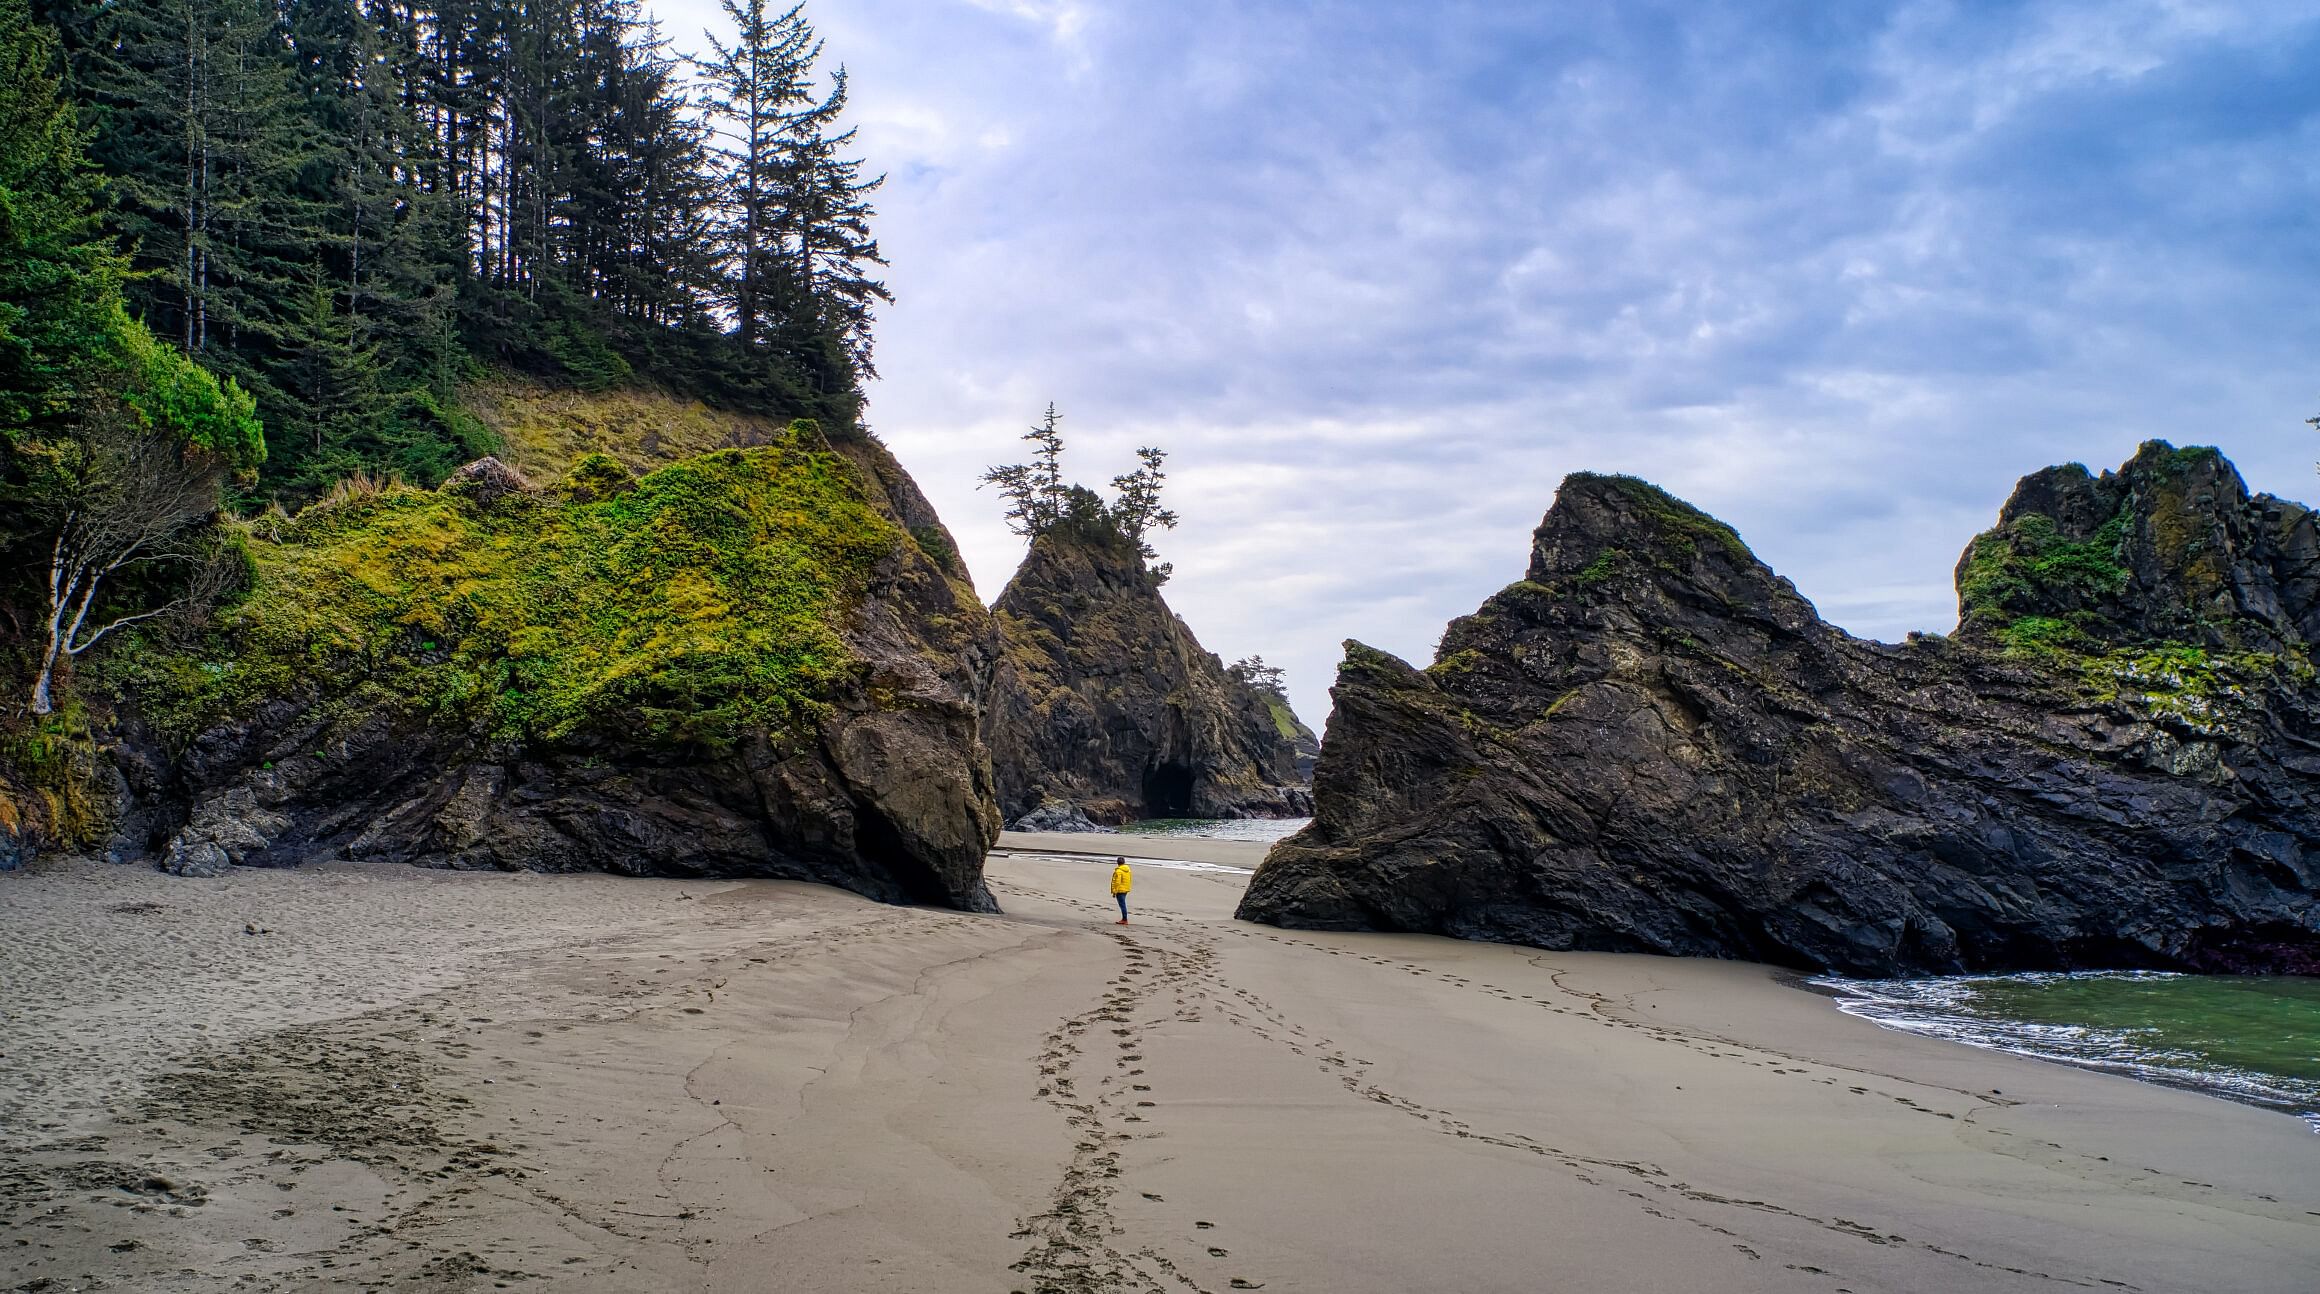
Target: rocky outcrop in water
x: 1057, y: 814
x: 752, y: 662
x: 1651, y: 743
x: 1104, y: 698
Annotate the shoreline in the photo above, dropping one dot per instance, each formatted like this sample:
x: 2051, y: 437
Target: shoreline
x: 612, y: 1083
x: 1086, y: 844
x: 2215, y: 1086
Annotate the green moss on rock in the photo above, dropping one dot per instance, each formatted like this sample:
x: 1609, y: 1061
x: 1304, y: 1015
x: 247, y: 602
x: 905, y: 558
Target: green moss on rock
x: 2016, y: 575
x: 698, y: 605
x: 1689, y: 527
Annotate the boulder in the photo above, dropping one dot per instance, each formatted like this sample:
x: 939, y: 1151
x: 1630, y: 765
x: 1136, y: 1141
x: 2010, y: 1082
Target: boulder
x: 1056, y: 815
x: 741, y: 664
x: 486, y: 480
x: 1652, y: 743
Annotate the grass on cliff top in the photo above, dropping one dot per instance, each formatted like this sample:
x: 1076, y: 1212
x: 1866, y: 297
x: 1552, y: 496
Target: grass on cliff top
x: 1284, y: 719
x: 546, y: 429
x: 699, y: 603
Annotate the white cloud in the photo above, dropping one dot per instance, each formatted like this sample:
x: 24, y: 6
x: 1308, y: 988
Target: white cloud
x: 1379, y: 275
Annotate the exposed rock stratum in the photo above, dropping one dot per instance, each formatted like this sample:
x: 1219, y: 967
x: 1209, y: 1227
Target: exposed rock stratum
x: 1651, y: 743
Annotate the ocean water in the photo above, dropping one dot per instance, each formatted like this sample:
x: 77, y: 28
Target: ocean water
x: 2252, y: 1038
x: 1265, y: 830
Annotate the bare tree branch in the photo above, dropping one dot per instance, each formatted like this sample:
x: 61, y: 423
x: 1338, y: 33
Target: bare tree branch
x: 125, y: 497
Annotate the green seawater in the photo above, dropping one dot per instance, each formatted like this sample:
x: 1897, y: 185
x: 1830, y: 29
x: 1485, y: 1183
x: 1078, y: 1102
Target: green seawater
x: 2254, y: 1038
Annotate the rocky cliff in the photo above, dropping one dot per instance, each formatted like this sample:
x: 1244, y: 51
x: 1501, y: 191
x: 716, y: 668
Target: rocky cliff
x: 1651, y: 743
x: 1106, y: 700
x: 750, y: 662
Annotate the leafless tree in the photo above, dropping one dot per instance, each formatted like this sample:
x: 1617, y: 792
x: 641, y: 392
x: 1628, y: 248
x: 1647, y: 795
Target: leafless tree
x: 120, y: 498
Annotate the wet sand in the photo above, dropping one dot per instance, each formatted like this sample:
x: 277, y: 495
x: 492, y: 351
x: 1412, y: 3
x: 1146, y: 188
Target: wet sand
x: 423, y: 1081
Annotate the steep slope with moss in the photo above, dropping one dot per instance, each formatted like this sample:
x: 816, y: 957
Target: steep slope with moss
x: 1651, y: 743
x: 1104, y: 697
x: 544, y: 430
x: 740, y: 663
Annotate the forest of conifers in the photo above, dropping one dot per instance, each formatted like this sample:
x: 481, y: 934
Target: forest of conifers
x: 348, y: 207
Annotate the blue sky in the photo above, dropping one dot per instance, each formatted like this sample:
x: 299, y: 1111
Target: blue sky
x: 1379, y: 275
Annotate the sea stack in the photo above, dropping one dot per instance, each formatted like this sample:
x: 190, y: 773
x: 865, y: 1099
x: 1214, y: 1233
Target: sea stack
x: 759, y: 661
x: 1651, y: 743
x: 1104, y: 702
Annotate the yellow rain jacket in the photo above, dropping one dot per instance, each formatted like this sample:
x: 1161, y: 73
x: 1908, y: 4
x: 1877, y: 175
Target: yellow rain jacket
x: 1120, y: 879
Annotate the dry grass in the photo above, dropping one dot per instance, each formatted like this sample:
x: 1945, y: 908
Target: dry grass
x: 546, y: 429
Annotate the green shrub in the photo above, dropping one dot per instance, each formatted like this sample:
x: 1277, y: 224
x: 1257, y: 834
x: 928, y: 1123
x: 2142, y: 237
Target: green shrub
x: 2027, y: 568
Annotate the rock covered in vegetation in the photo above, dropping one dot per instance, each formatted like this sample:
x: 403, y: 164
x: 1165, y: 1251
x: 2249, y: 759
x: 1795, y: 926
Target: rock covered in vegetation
x: 1651, y: 743
x: 1104, y: 698
x: 740, y: 664
x: 1304, y: 744
x: 486, y: 480
x: 2167, y: 549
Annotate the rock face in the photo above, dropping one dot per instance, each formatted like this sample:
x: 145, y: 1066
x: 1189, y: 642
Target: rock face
x: 747, y: 663
x: 1652, y: 744
x: 1104, y: 698
x: 1054, y: 814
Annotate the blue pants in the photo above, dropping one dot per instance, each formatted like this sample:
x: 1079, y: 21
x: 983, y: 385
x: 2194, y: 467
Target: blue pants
x: 1123, y: 905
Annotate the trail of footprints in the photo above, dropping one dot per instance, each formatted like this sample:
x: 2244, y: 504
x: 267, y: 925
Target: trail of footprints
x: 1091, y: 1071
x: 1252, y: 1012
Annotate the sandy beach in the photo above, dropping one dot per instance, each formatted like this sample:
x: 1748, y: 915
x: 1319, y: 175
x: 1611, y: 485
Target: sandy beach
x: 372, y: 1077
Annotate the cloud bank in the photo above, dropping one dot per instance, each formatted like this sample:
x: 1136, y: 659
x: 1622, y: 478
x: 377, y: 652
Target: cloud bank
x: 1379, y: 275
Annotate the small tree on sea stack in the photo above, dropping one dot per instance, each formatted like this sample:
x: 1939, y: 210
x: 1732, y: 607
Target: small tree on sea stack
x: 1253, y: 671
x: 1039, y: 499
x: 1137, y: 510
x: 1035, y: 490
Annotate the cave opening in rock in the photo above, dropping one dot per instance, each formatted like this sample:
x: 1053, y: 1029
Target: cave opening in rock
x: 1168, y: 791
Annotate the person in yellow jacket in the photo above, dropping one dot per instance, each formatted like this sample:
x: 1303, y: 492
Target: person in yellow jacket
x: 1120, y: 884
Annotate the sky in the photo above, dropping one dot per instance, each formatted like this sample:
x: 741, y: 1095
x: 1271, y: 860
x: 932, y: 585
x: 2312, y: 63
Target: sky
x: 1378, y: 275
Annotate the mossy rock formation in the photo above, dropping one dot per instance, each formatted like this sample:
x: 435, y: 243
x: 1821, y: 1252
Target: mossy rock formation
x: 743, y: 663
x: 1652, y: 744
x: 1105, y: 699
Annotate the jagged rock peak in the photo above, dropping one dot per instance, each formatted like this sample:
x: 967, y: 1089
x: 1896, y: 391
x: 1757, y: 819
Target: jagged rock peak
x: 2169, y: 548
x: 1104, y: 697
x: 1652, y: 744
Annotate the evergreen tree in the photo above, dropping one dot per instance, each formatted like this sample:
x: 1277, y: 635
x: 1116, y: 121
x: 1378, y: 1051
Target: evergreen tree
x: 351, y: 206
x: 1036, y: 493
x: 755, y: 86
x: 1136, y: 507
x: 1269, y: 679
x: 60, y: 277
x: 829, y: 225
x: 1040, y: 500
